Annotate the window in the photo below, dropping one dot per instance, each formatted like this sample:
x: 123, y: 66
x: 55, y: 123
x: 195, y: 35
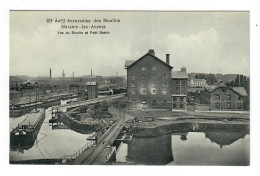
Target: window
x: 143, y: 77
x: 181, y: 105
x: 164, y: 76
x: 177, y: 82
x: 133, y: 77
x: 154, y: 103
x: 154, y: 76
x: 164, y: 92
x: 164, y: 84
x: 229, y: 105
x: 239, y: 105
x: 177, y: 88
x: 164, y: 103
x: 133, y: 102
x: 183, y: 83
x: 180, y: 98
x: 143, y: 91
x: 228, y: 97
x: 183, y: 90
x: 154, y: 92
x: 174, y: 98
x: 143, y: 68
x: 133, y: 84
x: 217, y: 97
x: 239, y: 98
x: 223, y: 89
x: 217, y: 105
x: 174, y: 105
x: 154, y: 68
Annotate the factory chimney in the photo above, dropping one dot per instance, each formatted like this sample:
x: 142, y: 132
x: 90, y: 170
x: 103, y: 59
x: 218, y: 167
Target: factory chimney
x: 73, y: 75
x: 63, y: 74
x: 151, y: 51
x: 91, y: 73
x: 168, y: 59
x: 50, y: 73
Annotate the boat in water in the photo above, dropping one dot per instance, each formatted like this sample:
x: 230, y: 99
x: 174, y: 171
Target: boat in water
x: 26, y: 132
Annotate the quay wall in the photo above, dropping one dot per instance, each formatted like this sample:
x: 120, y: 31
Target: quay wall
x: 186, y: 127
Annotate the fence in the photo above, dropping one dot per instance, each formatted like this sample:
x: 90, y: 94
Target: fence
x: 78, y: 153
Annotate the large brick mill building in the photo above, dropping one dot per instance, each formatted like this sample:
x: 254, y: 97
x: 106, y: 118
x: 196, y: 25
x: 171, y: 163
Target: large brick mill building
x: 152, y: 84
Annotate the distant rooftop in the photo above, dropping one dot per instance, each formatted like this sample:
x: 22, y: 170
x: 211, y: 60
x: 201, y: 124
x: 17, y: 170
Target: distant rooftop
x: 179, y: 75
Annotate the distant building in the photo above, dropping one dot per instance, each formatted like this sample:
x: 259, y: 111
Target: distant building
x: 227, y: 98
x: 193, y: 82
x: 92, y: 88
x: 15, y: 83
x: 179, y: 84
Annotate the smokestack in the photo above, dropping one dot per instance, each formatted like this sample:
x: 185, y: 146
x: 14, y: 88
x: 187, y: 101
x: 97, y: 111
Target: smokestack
x: 91, y: 73
x: 50, y: 73
x: 63, y: 74
x: 168, y: 59
x: 73, y: 74
x: 151, y: 51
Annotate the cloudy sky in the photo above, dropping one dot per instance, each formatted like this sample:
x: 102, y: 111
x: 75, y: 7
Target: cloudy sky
x: 209, y: 42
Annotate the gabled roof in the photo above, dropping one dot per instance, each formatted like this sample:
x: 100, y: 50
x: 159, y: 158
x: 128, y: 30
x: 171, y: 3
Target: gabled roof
x: 179, y: 75
x: 240, y: 90
x: 129, y: 64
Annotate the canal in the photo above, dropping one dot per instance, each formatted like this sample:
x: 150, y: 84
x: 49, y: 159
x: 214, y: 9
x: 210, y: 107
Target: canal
x: 190, y: 148
x: 50, y: 142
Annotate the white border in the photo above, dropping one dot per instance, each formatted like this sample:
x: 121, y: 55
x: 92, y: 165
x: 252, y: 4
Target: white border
x: 183, y: 5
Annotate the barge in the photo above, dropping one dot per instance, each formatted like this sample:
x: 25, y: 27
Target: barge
x: 26, y: 132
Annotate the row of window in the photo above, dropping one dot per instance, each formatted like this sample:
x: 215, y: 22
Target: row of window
x: 154, y: 76
x: 153, y: 92
x: 239, y: 105
x: 153, y: 84
x: 180, y: 82
x: 178, y: 98
x: 228, y: 97
x: 144, y: 68
x: 154, y: 103
x: 177, y: 106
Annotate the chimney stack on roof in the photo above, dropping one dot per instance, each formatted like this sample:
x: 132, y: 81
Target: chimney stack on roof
x: 168, y: 59
x: 183, y: 69
x: 151, y: 51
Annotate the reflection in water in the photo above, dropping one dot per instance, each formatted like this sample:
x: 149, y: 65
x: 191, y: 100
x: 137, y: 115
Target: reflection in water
x: 49, y: 143
x: 150, y: 151
x: 211, y: 148
x: 190, y: 148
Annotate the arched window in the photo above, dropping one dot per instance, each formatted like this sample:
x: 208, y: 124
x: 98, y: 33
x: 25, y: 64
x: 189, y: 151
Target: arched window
x: 154, y: 103
x: 164, y: 103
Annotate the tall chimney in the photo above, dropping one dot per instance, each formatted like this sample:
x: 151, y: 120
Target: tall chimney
x: 168, y: 59
x: 73, y: 74
x: 151, y: 51
x: 50, y: 73
x: 91, y: 73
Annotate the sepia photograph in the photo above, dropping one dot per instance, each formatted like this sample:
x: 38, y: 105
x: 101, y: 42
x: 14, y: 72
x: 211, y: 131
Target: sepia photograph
x: 125, y: 87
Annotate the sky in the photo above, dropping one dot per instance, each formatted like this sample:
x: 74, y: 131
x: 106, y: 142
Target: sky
x: 204, y: 42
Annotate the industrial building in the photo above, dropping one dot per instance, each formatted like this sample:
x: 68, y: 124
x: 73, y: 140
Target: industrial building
x: 152, y: 84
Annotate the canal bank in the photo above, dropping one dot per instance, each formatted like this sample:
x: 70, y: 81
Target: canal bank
x: 152, y: 124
